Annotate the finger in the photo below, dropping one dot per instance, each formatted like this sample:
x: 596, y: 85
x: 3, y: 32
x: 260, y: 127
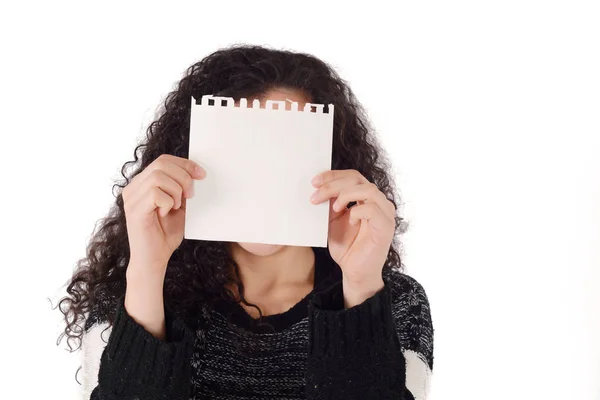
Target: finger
x: 372, y: 213
x: 332, y: 213
x: 166, y: 162
x: 167, y: 184
x: 157, y: 178
x: 327, y: 176
x: 152, y: 199
x: 180, y: 175
x: 162, y: 201
x: 365, y: 192
x: 163, y: 163
x: 332, y: 189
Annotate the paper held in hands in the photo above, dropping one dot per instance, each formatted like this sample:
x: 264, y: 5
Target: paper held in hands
x: 259, y: 161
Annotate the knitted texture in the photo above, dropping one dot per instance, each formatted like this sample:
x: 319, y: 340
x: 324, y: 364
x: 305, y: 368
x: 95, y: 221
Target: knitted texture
x: 358, y: 353
x: 380, y: 349
x: 135, y: 364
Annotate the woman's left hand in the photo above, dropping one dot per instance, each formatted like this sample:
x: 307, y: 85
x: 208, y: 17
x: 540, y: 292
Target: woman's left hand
x: 359, y: 237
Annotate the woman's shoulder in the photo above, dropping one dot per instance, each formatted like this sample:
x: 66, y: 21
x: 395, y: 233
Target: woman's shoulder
x: 97, y: 316
x: 94, y: 340
x: 411, y: 311
x: 405, y: 288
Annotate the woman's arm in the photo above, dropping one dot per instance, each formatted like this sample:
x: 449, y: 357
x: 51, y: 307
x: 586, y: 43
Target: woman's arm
x: 379, y: 349
x: 147, y: 355
x: 135, y: 364
x: 149, y: 349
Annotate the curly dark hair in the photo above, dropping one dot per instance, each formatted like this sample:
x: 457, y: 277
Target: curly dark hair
x: 200, y: 271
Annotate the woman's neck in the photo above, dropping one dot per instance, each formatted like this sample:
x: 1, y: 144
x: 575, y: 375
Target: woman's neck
x: 291, y: 268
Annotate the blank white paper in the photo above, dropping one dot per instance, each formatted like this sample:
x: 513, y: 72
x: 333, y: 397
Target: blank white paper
x: 259, y: 164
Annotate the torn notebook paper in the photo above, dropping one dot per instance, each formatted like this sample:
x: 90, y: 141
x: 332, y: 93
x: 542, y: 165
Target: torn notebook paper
x: 260, y: 159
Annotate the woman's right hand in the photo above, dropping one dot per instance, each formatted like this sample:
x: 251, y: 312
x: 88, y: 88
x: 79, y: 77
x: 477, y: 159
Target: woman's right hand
x: 154, y: 203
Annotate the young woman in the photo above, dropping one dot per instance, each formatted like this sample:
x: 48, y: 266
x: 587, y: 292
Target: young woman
x: 160, y: 317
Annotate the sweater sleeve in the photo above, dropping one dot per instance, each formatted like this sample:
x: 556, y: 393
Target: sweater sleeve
x: 136, y: 365
x: 380, y: 349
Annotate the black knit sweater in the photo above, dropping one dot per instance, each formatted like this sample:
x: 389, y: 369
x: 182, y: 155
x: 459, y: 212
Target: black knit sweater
x: 318, y: 349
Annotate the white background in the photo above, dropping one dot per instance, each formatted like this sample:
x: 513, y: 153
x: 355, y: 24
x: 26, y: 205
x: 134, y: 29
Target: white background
x: 490, y: 111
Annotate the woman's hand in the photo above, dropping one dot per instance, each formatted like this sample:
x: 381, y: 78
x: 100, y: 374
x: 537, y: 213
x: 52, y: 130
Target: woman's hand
x: 154, y: 203
x: 359, y: 237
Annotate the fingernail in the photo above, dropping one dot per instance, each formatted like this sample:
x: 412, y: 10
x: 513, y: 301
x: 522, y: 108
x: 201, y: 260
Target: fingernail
x: 200, y: 173
x: 317, y: 180
x: 314, y: 196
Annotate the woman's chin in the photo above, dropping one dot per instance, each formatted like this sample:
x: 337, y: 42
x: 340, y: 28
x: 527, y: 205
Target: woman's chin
x: 261, y: 249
